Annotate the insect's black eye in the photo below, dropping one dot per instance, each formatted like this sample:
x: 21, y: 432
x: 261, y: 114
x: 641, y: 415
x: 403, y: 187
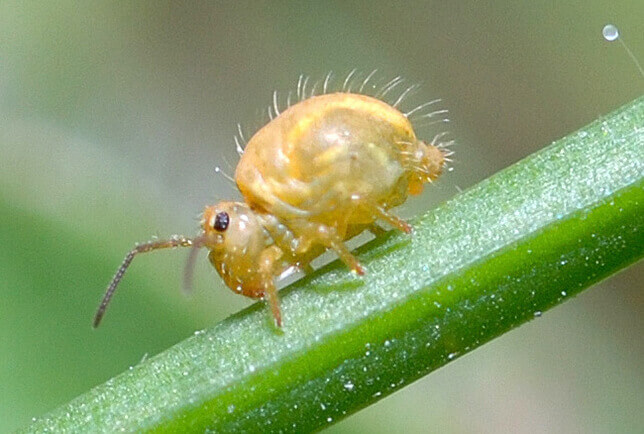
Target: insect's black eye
x: 222, y: 220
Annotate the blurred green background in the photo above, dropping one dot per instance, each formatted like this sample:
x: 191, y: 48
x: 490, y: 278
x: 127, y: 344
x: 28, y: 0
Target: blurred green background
x: 113, y: 116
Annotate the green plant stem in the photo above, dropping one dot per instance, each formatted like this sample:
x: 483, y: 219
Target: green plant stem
x: 496, y: 256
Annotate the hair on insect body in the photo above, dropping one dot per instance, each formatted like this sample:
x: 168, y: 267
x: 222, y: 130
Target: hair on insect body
x: 326, y: 167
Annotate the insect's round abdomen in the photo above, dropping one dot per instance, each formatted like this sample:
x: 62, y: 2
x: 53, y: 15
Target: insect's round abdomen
x: 323, y: 153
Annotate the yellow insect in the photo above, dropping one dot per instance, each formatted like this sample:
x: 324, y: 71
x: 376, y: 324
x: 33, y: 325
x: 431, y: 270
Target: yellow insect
x: 319, y: 173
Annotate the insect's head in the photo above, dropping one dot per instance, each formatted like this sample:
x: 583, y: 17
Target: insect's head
x: 231, y: 226
x: 236, y: 238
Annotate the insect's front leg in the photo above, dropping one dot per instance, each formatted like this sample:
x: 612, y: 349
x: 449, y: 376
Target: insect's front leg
x: 269, y: 267
x: 286, y: 240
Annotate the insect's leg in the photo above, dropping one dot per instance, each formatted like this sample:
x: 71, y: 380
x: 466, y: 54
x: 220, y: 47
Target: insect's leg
x: 307, y: 268
x: 329, y: 238
x: 269, y: 262
x: 376, y: 229
x: 381, y: 213
x: 271, y: 297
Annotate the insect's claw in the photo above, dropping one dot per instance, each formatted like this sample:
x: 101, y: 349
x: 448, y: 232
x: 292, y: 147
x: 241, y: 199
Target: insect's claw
x: 359, y: 269
x: 273, y: 300
x: 278, y: 319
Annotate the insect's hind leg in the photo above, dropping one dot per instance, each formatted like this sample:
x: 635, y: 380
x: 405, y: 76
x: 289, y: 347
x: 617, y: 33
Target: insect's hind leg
x: 379, y: 212
x: 317, y: 233
x: 376, y: 229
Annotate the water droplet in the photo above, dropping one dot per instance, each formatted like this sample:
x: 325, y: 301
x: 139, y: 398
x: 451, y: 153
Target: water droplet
x: 610, y: 32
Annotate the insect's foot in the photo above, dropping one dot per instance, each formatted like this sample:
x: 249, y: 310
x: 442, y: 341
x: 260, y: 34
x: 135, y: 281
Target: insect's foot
x: 359, y: 269
x: 278, y: 322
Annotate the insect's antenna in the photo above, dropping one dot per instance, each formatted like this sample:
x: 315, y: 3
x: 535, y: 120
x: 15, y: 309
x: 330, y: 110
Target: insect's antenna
x: 189, y: 270
x: 177, y: 241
